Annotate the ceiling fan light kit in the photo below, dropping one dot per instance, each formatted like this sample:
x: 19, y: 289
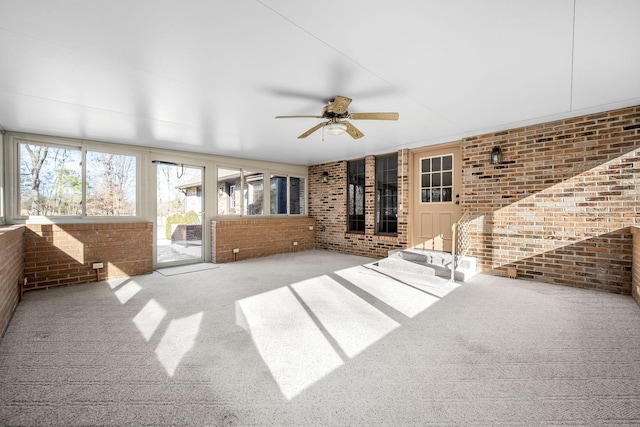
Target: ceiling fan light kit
x: 335, y: 128
x: 335, y: 112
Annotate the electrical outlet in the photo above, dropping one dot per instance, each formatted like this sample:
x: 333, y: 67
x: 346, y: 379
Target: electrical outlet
x: 98, y: 265
x: 311, y: 227
x: 236, y: 250
x: 295, y: 243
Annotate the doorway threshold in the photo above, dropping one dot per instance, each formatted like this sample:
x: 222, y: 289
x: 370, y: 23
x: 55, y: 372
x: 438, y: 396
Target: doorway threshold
x: 183, y: 269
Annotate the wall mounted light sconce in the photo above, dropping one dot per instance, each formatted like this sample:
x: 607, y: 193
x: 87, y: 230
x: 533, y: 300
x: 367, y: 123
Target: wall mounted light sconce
x: 496, y: 156
x: 325, y: 177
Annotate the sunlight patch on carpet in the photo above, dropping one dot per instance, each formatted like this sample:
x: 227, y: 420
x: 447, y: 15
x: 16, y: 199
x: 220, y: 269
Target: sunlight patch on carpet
x: 291, y: 345
x: 148, y: 318
x: 177, y: 341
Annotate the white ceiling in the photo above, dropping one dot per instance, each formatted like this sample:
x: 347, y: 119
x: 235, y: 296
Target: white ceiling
x: 209, y: 76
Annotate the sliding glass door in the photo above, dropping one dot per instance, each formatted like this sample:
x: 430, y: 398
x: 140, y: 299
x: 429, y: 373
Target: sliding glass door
x: 179, y: 214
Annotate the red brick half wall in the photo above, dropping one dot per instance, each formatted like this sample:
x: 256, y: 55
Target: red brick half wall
x: 255, y: 238
x: 11, y: 267
x: 64, y: 254
x: 635, y: 281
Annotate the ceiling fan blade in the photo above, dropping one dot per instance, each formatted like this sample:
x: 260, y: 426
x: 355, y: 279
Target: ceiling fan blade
x: 374, y: 116
x: 298, y: 117
x: 294, y: 94
x: 312, y: 130
x: 339, y: 104
x: 353, y: 131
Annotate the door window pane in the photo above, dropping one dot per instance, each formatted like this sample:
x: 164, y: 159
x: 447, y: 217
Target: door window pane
x: 447, y: 178
x: 435, y: 164
x: 446, y: 194
x: 436, y: 178
x: 435, y: 194
x: 447, y: 163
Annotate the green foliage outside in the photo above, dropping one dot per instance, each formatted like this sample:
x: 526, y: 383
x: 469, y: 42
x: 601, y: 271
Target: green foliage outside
x: 187, y: 218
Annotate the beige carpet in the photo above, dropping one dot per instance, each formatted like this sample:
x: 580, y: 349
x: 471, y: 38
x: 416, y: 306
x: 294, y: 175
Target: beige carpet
x: 314, y: 338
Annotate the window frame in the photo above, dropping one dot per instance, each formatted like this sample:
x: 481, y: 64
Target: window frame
x: 304, y: 189
x: 3, y: 193
x: 13, y: 182
x: 246, y: 190
x: 350, y: 220
x: 267, y: 176
x: 441, y: 172
x: 145, y: 185
x: 377, y: 209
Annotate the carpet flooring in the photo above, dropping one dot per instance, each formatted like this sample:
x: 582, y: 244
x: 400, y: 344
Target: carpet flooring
x: 318, y: 339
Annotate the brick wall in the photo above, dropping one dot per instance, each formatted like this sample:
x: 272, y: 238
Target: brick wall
x: 328, y: 206
x: 559, y: 209
x: 260, y: 237
x: 63, y: 254
x: 635, y: 281
x: 11, y: 267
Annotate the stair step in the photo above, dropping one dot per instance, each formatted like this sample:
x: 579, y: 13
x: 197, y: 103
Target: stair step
x: 394, y: 263
x: 430, y: 263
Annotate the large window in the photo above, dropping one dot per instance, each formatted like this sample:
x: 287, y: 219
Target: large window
x: 287, y: 195
x: 278, y: 195
x: 253, y: 193
x: 51, y: 182
x: 296, y: 196
x: 228, y: 198
x: 111, y: 184
x: 243, y: 192
x: 387, y: 195
x: 355, y: 196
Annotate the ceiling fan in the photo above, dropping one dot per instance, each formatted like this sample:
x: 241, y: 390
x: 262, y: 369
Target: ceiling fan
x: 336, y: 114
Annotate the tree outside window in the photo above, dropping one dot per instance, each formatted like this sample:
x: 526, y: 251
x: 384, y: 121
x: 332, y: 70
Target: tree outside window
x: 111, y: 184
x: 51, y: 182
